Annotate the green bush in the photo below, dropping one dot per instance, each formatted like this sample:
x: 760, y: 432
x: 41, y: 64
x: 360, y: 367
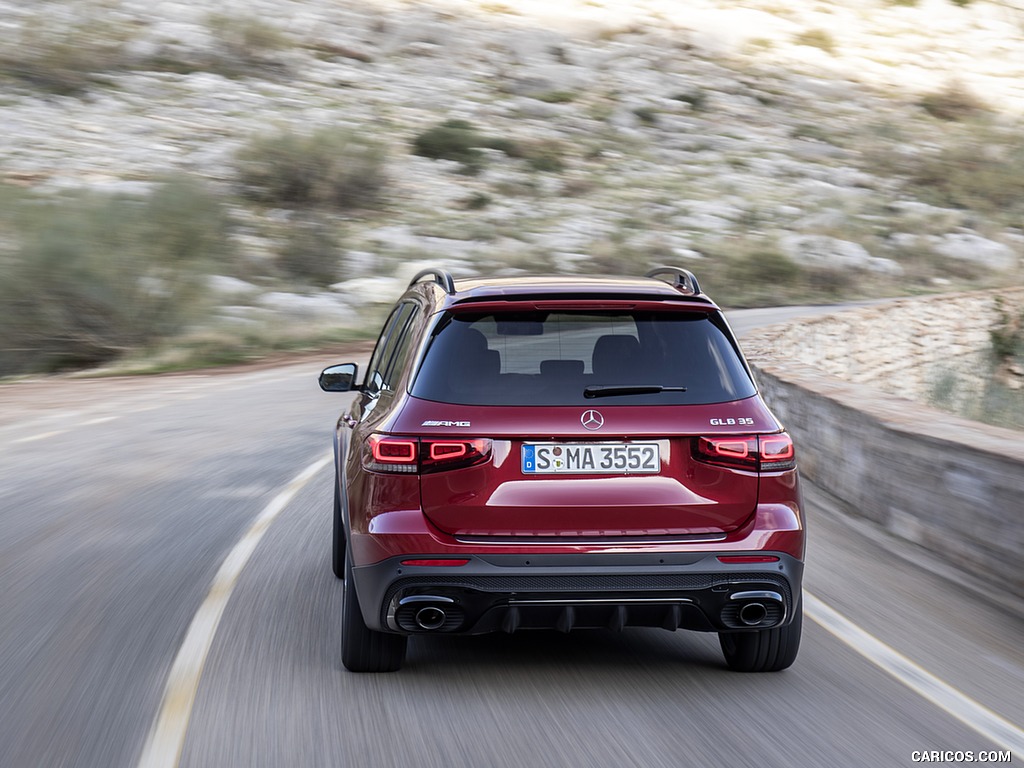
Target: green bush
x: 646, y: 115
x: 452, y: 140
x: 1007, y: 334
x: 311, y: 252
x: 556, y: 97
x: 244, y: 42
x: 61, y: 56
x: 459, y: 140
x: 329, y: 168
x: 766, y: 271
x: 954, y: 102
x: 983, y: 171
x: 696, y: 98
x: 817, y: 38
x: 90, y: 277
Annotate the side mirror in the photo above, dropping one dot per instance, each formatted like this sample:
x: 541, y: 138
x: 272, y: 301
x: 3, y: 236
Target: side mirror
x: 339, y: 378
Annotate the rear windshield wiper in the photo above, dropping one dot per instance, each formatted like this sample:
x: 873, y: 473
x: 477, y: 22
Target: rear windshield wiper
x: 635, y: 389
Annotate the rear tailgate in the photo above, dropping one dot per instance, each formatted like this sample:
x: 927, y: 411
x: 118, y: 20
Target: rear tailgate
x: 632, y: 474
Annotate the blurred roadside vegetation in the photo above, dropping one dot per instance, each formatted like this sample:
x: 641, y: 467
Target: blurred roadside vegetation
x: 90, y: 278
x: 66, y: 54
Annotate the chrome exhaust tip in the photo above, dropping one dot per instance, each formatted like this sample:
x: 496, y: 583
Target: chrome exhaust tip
x: 430, y: 618
x: 756, y: 608
x: 753, y: 614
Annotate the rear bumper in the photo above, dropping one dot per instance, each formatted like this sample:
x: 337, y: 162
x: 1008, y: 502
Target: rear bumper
x: 509, y: 592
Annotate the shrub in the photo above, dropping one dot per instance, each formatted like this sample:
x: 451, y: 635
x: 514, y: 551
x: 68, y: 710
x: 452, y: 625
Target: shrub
x: 556, y: 97
x: 90, y: 277
x: 477, y: 201
x: 646, y: 115
x: 62, y: 56
x: 696, y: 98
x: 954, y: 102
x: 452, y: 140
x: 767, y: 268
x: 1007, y: 334
x: 811, y: 131
x: 817, y: 38
x: 983, y: 172
x: 459, y: 140
x: 311, y: 252
x: 244, y: 42
x: 330, y: 168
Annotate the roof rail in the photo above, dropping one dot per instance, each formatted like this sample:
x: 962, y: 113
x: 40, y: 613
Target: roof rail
x: 681, y: 278
x: 440, y: 276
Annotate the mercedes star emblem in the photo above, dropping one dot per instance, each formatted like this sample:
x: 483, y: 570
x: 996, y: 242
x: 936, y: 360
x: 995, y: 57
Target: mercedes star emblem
x: 592, y: 419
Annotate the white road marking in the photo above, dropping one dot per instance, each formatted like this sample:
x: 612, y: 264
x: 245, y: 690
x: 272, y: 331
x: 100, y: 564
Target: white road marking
x: 39, y: 436
x: 1000, y: 731
x: 98, y: 420
x: 167, y: 735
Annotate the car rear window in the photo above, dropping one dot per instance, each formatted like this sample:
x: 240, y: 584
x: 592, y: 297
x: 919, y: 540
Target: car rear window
x: 548, y: 358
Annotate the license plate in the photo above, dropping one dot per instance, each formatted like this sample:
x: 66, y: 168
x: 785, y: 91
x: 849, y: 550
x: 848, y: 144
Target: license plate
x: 591, y: 458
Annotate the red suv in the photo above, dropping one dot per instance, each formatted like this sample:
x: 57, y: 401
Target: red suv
x: 563, y: 453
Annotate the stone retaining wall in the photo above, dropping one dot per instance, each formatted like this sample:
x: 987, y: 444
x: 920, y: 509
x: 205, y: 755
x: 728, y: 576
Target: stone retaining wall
x: 953, y: 486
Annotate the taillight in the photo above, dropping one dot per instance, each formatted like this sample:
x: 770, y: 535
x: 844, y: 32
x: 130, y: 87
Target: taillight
x: 411, y: 455
x: 765, y: 453
x: 441, y: 455
x: 777, y: 452
x: 392, y: 454
x: 732, y: 451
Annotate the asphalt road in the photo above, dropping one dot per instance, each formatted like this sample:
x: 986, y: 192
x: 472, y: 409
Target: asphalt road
x: 120, y: 500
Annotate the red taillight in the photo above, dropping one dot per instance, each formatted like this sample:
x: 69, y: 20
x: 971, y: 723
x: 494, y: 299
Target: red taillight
x: 777, y: 452
x: 438, y: 563
x: 410, y: 455
x: 732, y: 451
x: 392, y: 454
x: 440, y: 451
x: 440, y: 455
x: 767, y: 453
x: 392, y: 450
x: 748, y: 559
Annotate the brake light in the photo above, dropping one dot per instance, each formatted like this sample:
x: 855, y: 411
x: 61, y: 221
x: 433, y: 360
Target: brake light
x: 765, y: 453
x: 733, y: 451
x: 416, y: 455
x: 777, y: 452
x: 389, y: 450
x: 442, y: 455
x: 441, y: 451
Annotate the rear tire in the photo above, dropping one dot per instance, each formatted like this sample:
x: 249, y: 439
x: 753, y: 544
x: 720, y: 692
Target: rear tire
x: 338, y: 537
x: 362, y: 649
x: 763, y: 650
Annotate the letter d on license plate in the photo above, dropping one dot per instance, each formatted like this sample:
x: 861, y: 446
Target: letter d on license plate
x: 591, y: 458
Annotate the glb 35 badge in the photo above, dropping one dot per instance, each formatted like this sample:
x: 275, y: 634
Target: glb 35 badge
x: 742, y: 422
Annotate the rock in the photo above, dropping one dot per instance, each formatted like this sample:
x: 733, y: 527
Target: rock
x: 822, y: 251
x: 973, y: 248
x: 230, y: 287
x: 370, y: 290
x: 321, y: 307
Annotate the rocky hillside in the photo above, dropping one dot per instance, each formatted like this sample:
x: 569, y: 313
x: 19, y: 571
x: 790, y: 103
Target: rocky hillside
x: 786, y: 151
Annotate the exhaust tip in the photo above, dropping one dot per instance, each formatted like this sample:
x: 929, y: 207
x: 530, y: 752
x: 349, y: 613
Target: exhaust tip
x: 430, y: 618
x: 752, y: 614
